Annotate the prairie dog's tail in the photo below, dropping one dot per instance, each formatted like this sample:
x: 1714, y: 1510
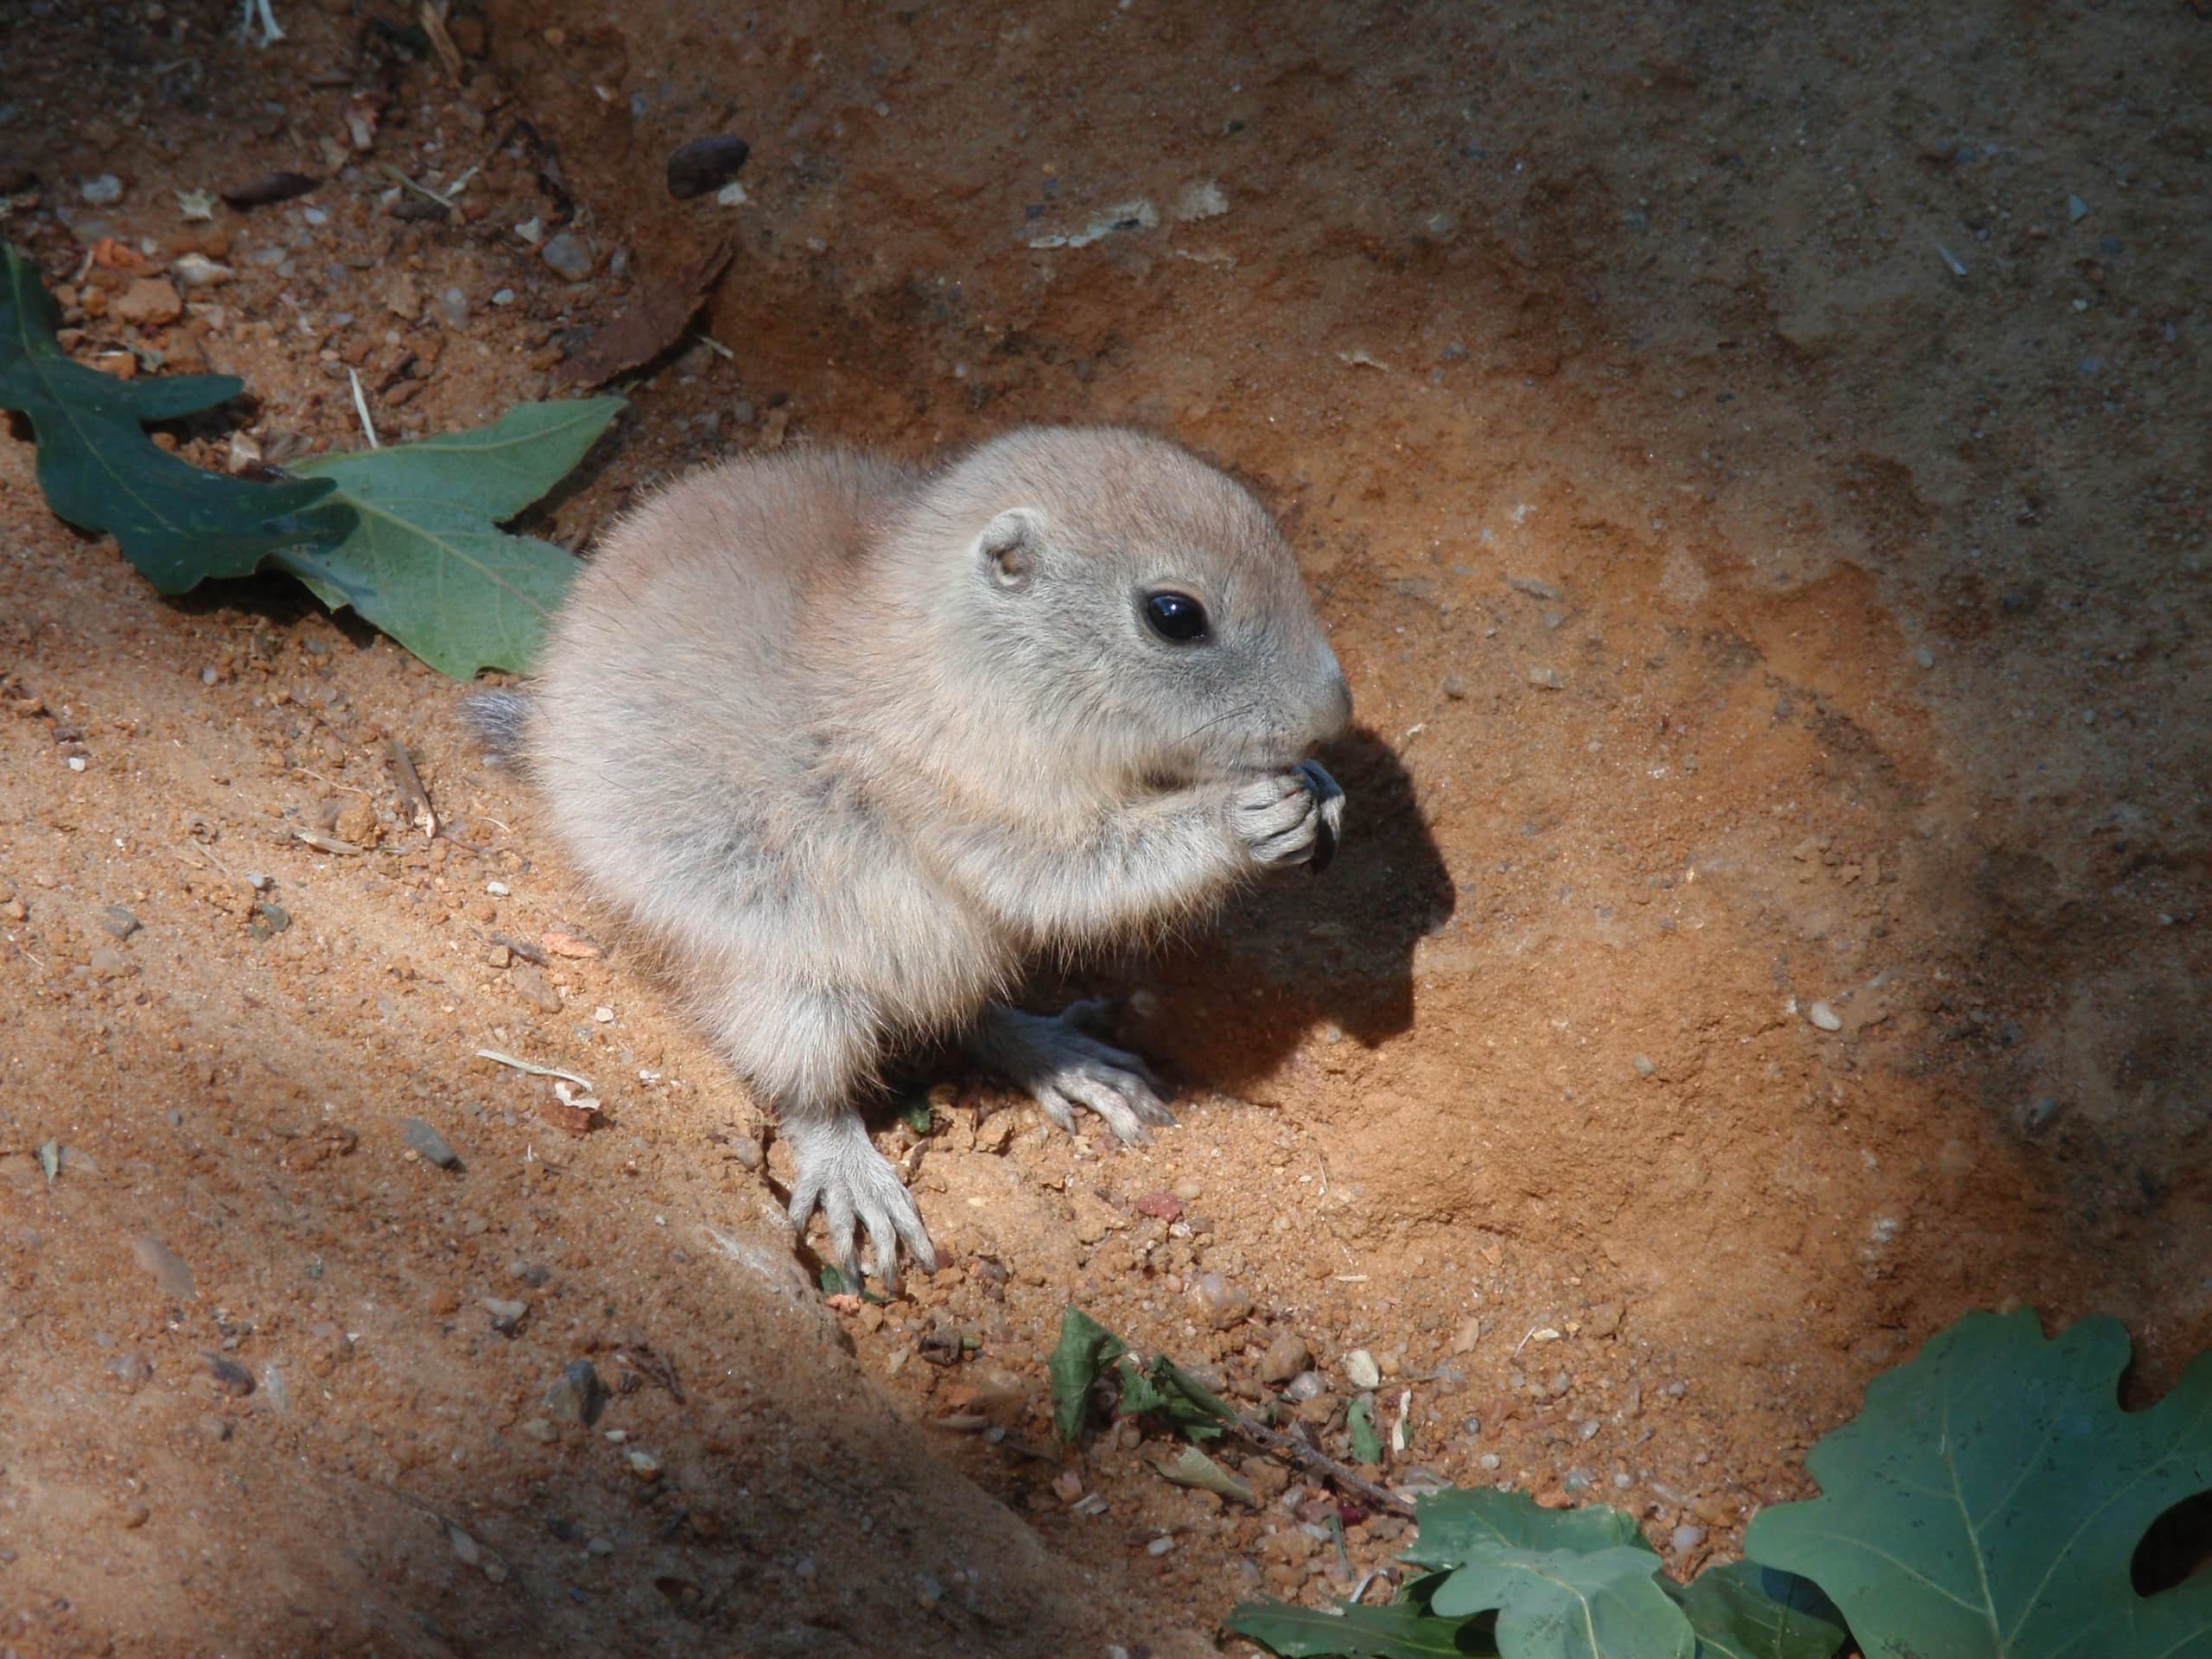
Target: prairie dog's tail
x: 498, y: 719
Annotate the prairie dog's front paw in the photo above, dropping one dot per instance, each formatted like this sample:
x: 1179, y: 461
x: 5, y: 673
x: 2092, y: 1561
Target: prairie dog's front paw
x: 1289, y: 817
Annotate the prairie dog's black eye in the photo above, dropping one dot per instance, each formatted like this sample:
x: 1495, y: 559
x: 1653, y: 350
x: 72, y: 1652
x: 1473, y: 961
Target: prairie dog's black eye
x: 1176, y: 617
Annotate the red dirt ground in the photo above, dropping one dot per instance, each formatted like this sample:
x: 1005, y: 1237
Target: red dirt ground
x: 1746, y: 608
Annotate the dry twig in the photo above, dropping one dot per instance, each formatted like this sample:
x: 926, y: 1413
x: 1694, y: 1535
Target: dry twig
x: 1290, y: 1446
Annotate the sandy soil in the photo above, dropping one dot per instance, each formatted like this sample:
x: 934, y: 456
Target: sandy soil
x: 1751, y: 461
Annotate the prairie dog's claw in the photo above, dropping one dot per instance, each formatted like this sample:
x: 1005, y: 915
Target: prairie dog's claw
x: 842, y: 1173
x: 1289, y: 817
x: 1329, y: 796
x: 1060, y: 1068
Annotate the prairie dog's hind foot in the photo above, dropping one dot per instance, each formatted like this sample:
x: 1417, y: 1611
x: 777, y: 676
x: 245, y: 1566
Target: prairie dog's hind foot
x: 842, y: 1173
x: 1060, y: 1066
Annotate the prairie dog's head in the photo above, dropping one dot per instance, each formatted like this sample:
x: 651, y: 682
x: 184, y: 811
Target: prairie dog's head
x: 1142, y: 599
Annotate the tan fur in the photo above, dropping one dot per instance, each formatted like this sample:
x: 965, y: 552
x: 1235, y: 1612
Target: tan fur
x: 851, y: 742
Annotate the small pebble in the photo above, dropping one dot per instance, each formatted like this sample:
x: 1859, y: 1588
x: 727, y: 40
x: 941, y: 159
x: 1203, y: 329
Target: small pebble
x: 1454, y: 687
x: 502, y: 297
x: 1623, y: 1480
x: 428, y: 1144
x: 1824, y: 1016
x: 1644, y: 1065
x: 148, y: 302
x: 1159, y: 1547
x: 131, y: 1371
x: 1287, y: 1357
x: 605, y: 1016
x: 645, y: 1466
x: 1536, y: 588
x: 569, y: 255
x: 453, y: 308
x: 1546, y: 679
x: 498, y: 889
x: 229, y: 1376
x: 274, y: 1390
x: 541, y: 1431
x: 134, y: 1515
x: 167, y: 1267
x: 1361, y: 1370
x: 506, y: 1316
x: 76, y: 763
x: 599, y: 1546
x: 1225, y: 1306
x: 530, y: 984
x: 1686, y: 1538
x: 102, y: 191
x: 704, y: 165
x: 119, y: 922
x: 579, y: 1396
x: 1489, y: 1461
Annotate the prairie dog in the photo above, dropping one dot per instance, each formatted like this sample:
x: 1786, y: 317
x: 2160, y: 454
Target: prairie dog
x: 851, y: 741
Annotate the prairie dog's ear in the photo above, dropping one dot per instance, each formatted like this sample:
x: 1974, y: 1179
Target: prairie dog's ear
x: 1011, y: 546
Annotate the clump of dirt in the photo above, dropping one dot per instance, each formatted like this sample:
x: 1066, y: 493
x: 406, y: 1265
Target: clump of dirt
x: 1749, y: 468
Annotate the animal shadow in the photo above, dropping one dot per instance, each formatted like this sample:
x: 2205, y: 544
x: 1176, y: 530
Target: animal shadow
x: 1302, y: 950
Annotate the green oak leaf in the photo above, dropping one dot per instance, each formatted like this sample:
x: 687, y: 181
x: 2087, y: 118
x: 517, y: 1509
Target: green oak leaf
x: 1987, y: 1502
x: 1085, y: 1352
x: 411, y: 539
x: 1191, y: 1467
x: 99, y: 470
x: 1405, y: 1629
x: 1359, y: 1422
x: 1456, y: 1523
x: 1746, y: 1612
x: 1191, y: 1409
x: 1570, y: 1603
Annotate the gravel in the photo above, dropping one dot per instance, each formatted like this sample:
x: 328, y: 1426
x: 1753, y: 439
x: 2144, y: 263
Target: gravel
x: 1225, y: 1306
x: 229, y: 1376
x: 1536, y: 588
x: 569, y: 255
x: 1286, y: 1356
x: 1825, y: 1017
x: 167, y: 1267
x: 705, y: 165
x: 428, y: 1144
x: 579, y: 1396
